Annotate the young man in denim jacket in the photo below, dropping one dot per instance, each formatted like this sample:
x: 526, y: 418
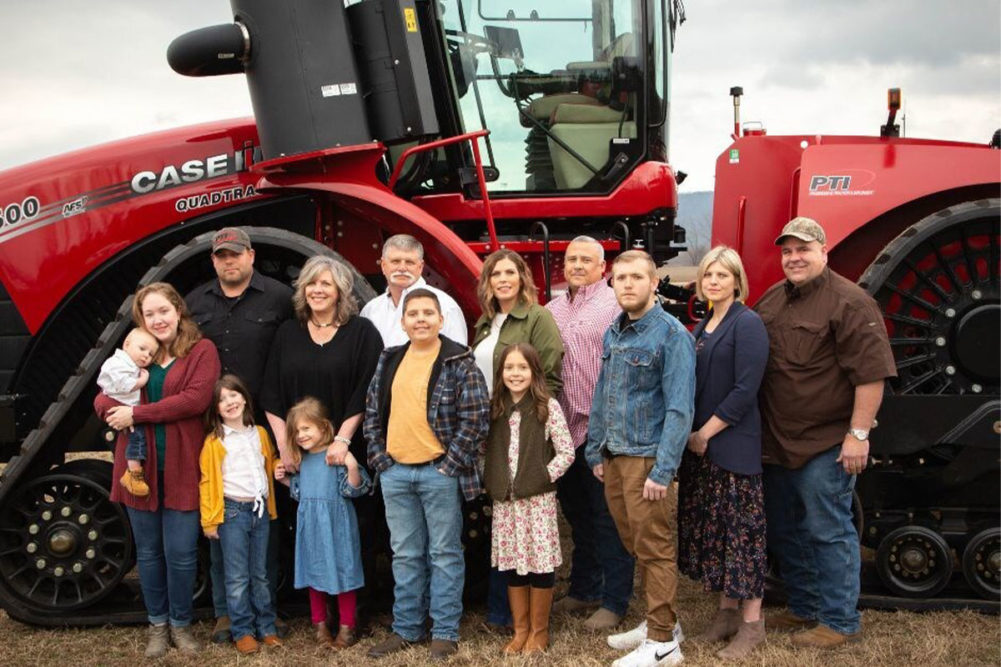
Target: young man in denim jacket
x: 640, y: 421
x: 426, y: 413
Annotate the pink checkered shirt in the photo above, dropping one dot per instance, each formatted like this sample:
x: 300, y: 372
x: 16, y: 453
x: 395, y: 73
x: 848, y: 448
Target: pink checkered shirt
x: 582, y: 323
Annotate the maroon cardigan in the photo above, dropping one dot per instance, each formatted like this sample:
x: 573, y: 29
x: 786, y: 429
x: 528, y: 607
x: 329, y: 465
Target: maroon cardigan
x: 187, y: 393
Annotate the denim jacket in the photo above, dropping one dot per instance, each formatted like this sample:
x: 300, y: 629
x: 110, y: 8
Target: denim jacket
x: 644, y: 401
x: 458, y: 411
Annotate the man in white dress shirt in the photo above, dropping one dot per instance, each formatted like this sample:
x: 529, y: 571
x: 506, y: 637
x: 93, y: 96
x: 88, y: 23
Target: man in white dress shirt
x: 402, y: 263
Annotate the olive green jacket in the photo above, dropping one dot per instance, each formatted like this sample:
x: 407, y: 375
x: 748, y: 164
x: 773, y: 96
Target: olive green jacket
x: 528, y: 324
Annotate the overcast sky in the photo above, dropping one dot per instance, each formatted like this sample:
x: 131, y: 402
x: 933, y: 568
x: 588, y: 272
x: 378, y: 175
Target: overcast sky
x: 74, y: 73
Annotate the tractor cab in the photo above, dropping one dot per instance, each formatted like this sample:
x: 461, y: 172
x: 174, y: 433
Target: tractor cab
x: 574, y: 94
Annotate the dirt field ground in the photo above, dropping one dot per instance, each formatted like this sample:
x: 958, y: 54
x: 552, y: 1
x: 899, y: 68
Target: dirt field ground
x: 901, y: 638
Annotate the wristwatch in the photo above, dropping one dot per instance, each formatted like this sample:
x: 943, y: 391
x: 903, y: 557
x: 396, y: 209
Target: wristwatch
x: 859, y: 434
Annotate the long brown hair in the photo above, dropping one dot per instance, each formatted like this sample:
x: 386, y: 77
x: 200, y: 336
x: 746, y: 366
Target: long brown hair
x: 529, y: 293
x: 188, y: 332
x: 213, y: 422
x: 311, y: 410
x: 537, y: 388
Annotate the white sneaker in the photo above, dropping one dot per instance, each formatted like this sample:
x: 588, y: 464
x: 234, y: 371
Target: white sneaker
x: 627, y: 641
x: 652, y: 654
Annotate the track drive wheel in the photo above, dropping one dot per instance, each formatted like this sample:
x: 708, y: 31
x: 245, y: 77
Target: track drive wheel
x: 938, y: 287
x: 982, y: 563
x: 63, y: 544
x: 914, y: 561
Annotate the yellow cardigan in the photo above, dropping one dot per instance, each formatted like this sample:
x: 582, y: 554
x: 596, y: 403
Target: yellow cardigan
x: 210, y: 486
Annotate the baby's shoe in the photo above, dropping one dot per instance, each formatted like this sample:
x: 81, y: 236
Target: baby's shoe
x: 134, y: 482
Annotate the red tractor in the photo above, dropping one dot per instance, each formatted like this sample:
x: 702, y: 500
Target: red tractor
x: 473, y: 125
x: 916, y: 223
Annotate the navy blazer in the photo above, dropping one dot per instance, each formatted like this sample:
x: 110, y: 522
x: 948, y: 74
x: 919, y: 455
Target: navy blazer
x: 728, y: 372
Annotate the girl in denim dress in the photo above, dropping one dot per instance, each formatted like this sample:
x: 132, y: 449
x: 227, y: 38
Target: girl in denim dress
x: 327, y: 547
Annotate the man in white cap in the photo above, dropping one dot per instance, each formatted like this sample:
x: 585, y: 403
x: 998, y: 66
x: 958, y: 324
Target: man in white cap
x: 829, y: 356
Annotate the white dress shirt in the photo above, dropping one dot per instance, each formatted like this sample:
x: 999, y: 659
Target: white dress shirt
x: 388, y: 318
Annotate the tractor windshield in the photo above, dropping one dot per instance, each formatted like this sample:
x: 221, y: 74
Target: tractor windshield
x: 560, y: 86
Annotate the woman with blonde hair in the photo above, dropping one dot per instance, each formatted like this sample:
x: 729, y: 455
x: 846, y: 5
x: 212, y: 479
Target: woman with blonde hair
x: 511, y: 314
x: 330, y: 353
x: 165, y: 524
x: 721, y: 516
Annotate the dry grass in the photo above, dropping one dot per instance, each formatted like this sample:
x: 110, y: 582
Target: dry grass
x: 892, y: 638
x: 942, y: 638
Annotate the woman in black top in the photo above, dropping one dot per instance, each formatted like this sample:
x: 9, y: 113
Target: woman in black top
x: 327, y: 352
x: 330, y: 353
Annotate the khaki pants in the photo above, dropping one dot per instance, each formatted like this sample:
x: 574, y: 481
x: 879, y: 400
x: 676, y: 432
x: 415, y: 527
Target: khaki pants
x: 647, y: 529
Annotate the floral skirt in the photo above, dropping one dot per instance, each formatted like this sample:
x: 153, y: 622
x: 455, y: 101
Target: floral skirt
x: 526, y: 535
x: 721, y: 528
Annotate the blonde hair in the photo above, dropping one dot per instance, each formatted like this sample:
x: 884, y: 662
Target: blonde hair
x: 311, y: 410
x: 346, y: 305
x: 529, y: 293
x: 634, y: 255
x: 188, y: 332
x: 729, y: 260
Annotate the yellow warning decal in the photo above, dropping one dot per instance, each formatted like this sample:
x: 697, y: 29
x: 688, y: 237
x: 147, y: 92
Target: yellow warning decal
x: 410, y: 16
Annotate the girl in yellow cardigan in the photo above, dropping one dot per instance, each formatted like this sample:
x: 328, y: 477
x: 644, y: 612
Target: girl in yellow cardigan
x: 236, y: 491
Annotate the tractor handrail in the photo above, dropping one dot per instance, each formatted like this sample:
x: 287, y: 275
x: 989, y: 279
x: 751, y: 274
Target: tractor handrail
x: 473, y: 138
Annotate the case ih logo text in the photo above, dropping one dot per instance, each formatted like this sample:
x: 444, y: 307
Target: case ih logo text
x: 840, y: 185
x: 194, y: 170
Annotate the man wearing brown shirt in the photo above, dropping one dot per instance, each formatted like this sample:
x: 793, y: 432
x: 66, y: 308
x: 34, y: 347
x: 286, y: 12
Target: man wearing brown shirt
x: 829, y: 356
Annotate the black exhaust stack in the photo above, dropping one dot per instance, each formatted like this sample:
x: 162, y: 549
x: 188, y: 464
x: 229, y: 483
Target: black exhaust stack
x: 299, y: 58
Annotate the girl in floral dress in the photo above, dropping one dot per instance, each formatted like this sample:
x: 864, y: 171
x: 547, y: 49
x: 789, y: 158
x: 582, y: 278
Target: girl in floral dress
x: 528, y: 449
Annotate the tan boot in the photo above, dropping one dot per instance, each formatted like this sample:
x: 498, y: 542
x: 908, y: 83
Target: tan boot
x: 542, y: 602
x: 134, y: 482
x: 323, y: 636
x: 724, y: 626
x: 345, y: 637
x: 748, y: 636
x: 520, y: 599
x: 787, y: 621
x: 821, y: 636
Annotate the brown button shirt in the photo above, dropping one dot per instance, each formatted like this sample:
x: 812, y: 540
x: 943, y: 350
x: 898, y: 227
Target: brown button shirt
x: 826, y: 337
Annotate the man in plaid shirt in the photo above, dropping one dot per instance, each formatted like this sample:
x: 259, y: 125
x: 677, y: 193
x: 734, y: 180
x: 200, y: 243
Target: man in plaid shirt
x: 426, y: 413
x: 601, y: 570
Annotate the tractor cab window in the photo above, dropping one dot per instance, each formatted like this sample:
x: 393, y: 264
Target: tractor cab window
x: 559, y: 85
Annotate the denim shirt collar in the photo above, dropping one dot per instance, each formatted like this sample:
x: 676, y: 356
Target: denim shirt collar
x: 638, y: 325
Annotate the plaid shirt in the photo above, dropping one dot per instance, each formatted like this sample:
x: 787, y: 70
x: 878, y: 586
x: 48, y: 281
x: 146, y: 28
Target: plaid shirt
x: 458, y: 410
x: 582, y: 322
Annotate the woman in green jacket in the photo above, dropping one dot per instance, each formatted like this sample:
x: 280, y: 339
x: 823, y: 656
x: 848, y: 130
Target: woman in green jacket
x: 511, y: 314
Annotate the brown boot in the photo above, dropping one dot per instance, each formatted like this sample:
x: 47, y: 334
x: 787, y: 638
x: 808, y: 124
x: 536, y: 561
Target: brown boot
x: 821, y: 636
x: 134, y: 482
x: 542, y: 602
x: 787, y: 621
x: 345, y: 637
x: 748, y: 636
x: 247, y: 645
x: 520, y: 599
x: 724, y: 626
x: 323, y: 636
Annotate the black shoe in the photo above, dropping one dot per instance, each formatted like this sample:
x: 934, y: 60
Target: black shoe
x: 281, y: 628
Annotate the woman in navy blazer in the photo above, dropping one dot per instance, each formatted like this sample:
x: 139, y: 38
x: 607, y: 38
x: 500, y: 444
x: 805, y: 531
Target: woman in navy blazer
x: 721, y: 518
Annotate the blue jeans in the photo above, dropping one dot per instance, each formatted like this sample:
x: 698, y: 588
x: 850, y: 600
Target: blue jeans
x: 167, y: 556
x: 424, y: 514
x: 811, y: 532
x: 218, y: 578
x: 243, y: 538
x: 600, y: 568
x: 135, y: 447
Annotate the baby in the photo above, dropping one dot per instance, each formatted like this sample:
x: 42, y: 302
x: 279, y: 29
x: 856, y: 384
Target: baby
x: 122, y: 376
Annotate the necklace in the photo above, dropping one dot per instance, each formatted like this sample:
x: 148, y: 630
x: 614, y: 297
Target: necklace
x: 321, y: 326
